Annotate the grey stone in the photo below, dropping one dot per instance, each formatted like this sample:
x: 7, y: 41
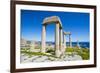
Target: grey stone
x: 41, y: 59
x: 51, y: 19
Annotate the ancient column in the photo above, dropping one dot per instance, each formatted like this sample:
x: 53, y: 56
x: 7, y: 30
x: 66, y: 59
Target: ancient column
x: 43, y: 39
x: 57, y: 52
x: 32, y: 45
x: 62, y: 48
x: 61, y: 38
x: 70, y: 43
x: 78, y: 44
x: 64, y: 41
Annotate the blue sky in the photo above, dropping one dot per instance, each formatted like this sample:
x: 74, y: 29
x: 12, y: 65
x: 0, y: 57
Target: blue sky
x: 75, y: 22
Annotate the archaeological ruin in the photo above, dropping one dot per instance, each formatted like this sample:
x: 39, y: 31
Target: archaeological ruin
x: 60, y: 40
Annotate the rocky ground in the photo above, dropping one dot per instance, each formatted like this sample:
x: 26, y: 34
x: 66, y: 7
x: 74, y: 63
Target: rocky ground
x: 34, y: 58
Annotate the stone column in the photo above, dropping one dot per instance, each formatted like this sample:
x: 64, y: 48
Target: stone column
x: 64, y: 41
x: 78, y: 44
x: 62, y: 49
x: 32, y: 45
x: 57, y: 52
x: 61, y: 39
x: 43, y: 39
x: 70, y: 43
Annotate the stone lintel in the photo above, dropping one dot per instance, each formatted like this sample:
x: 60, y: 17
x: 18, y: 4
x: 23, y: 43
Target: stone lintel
x: 67, y: 33
x: 52, y: 19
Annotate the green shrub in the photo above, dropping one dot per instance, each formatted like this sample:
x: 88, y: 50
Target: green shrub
x: 69, y: 50
x: 83, y: 52
x: 30, y: 54
x: 84, y: 55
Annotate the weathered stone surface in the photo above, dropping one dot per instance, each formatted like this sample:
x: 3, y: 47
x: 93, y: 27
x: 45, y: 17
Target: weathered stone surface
x: 43, y: 39
x: 27, y: 59
x: 67, y: 33
x: 52, y: 19
x: 41, y: 59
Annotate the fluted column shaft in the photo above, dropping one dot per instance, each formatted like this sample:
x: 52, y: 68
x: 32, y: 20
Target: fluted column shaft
x: 70, y: 43
x: 64, y: 41
x: 57, y: 52
x: 43, y: 39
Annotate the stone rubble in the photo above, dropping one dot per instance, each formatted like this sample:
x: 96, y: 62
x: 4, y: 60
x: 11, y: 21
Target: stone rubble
x: 26, y: 59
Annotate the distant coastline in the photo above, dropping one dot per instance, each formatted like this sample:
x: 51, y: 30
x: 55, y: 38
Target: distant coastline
x: 82, y: 44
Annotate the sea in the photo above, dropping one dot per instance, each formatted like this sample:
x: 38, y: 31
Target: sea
x: 81, y: 44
